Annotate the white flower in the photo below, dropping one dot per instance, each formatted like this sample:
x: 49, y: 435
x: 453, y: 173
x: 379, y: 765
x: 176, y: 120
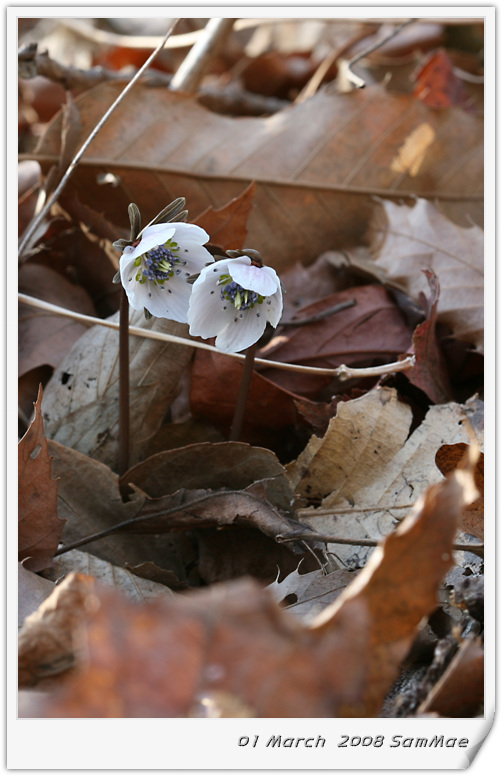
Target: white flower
x: 154, y: 272
x: 232, y: 300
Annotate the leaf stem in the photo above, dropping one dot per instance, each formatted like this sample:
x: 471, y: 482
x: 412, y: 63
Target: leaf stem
x: 123, y: 459
x: 242, y: 396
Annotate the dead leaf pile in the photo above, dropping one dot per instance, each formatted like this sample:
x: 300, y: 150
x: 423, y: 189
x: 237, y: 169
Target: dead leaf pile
x: 330, y: 563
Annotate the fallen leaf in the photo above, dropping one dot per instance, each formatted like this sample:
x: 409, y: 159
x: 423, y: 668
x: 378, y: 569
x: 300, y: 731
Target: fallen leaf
x: 317, y: 165
x: 135, y: 588
x: 48, y: 641
x: 45, y: 338
x: 372, y: 331
x: 31, y: 591
x: 429, y: 372
x: 437, y: 85
x: 81, y: 399
x: 213, y: 393
x: 39, y: 527
x: 460, y: 691
x: 89, y: 499
x: 229, y: 465
x: 368, y: 470
x: 227, y: 225
x: 398, y: 586
x: 407, y: 240
x: 448, y: 457
x: 306, y: 595
x: 231, y: 638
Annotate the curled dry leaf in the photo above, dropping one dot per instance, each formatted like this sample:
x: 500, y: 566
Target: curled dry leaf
x: 368, y: 471
x: 317, y: 165
x: 398, y: 586
x: 407, y: 240
x: 430, y: 372
x: 39, y: 528
x: 49, y: 639
x: 81, y: 399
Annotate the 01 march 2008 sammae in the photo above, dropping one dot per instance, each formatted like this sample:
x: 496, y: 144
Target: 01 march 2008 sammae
x: 352, y: 741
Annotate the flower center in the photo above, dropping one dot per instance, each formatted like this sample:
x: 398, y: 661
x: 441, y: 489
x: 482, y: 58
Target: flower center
x: 240, y: 297
x: 158, y: 264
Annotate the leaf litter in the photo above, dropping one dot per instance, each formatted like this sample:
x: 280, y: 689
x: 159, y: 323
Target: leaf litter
x: 227, y: 576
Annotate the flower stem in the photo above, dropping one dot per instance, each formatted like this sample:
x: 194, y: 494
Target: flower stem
x: 123, y: 462
x: 240, y: 405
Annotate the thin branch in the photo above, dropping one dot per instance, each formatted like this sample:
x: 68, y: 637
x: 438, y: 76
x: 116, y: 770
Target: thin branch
x: 354, y: 79
x: 33, y: 62
x: 171, y: 511
x: 477, y: 549
x: 191, y: 71
x: 342, y: 372
x: 64, y: 180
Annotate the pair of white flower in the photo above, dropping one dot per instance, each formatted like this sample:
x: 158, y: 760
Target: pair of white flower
x: 232, y: 299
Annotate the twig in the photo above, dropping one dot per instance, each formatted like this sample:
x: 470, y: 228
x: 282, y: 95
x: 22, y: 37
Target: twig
x: 354, y: 79
x: 32, y: 63
x: 192, y: 69
x: 242, y: 396
x: 342, y: 371
x: 477, y: 549
x: 123, y: 461
x: 171, y: 511
x: 64, y: 180
x: 321, y: 316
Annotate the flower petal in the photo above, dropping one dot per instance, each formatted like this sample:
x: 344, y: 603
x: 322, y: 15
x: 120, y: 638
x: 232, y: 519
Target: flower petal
x: 128, y: 277
x: 207, y: 313
x: 240, y: 335
x: 253, y: 278
x: 169, y: 300
x: 190, y: 232
x: 154, y: 235
x: 273, y: 307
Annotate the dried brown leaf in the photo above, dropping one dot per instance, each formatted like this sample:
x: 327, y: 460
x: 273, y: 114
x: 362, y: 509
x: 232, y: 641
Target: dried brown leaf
x: 80, y: 403
x: 408, y: 240
x: 398, y: 586
x: 430, y: 372
x: 227, y: 225
x: 460, y: 691
x: 317, y: 165
x: 448, y: 457
x: 372, y: 331
x: 367, y: 470
x: 164, y: 659
x: 45, y: 338
x: 39, y: 528
x: 48, y: 641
